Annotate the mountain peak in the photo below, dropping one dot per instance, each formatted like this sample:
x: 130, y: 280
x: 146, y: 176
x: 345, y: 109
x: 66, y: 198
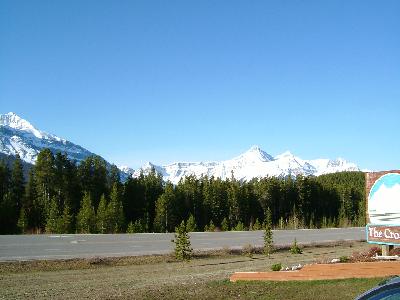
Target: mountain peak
x: 19, y: 136
x: 14, y: 121
x: 255, y: 153
x: 12, y: 114
x: 254, y: 163
x: 286, y: 154
x: 126, y: 169
x: 148, y: 165
x: 254, y: 148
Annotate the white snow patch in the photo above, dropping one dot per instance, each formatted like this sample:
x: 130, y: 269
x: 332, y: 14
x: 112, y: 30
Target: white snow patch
x: 254, y: 163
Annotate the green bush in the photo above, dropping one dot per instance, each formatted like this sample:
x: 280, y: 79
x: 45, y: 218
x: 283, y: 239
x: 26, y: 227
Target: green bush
x: 239, y: 227
x: 257, y: 225
x: 276, y: 267
x: 224, y: 225
x: 295, y: 249
x: 343, y: 259
x: 136, y: 227
x: 210, y: 227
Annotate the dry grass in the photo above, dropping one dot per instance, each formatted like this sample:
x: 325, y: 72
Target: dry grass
x: 162, y: 277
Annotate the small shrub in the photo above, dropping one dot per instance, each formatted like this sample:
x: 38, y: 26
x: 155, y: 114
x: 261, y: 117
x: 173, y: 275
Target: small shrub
x: 239, y: 227
x: 344, y: 259
x: 248, y: 250
x: 226, y: 250
x: 367, y: 255
x: 224, y: 225
x: 395, y: 251
x: 130, y: 228
x: 276, y: 267
x: 373, y: 251
x: 295, y: 249
x: 183, y: 249
x: 257, y: 225
x: 136, y: 227
x: 210, y: 227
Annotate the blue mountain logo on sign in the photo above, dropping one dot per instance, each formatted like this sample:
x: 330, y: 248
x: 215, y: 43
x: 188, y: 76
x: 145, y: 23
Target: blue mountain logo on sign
x: 384, y: 200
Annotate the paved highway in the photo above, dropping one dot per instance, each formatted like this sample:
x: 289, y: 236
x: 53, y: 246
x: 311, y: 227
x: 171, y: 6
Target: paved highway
x: 29, y: 247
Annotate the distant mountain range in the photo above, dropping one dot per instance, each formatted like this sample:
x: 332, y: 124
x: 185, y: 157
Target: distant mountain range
x: 19, y: 136
x: 254, y: 163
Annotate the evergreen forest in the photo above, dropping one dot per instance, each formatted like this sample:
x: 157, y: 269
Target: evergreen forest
x: 60, y: 196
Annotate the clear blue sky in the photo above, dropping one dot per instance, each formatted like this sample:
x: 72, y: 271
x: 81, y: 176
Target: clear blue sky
x: 163, y: 81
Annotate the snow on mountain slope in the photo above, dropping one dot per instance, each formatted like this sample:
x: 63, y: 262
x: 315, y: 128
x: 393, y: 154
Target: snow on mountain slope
x: 126, y: 170
x: 254, y: 163
x: 13, y: 121
x: 326, y: 166
x: 18, y: 136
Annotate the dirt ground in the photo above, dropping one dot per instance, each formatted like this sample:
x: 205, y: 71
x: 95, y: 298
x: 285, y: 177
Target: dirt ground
x: 162, y: 277
x: 326, y: 272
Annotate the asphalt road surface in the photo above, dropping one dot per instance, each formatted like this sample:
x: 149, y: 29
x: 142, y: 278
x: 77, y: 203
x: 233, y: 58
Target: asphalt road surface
x: 29, y: 247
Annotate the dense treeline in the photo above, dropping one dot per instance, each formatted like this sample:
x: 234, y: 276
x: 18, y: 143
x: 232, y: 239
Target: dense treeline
x: 60, y: 196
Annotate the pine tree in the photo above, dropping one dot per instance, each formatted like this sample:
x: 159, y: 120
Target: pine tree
x: 257, y: 225
x: 66, y: 220
x: 44, y: 183
x: 239, y: 227
x: 189, y: 192
x: 161, y: 214
x: 52, y: 223
x: 166, y: 214
x: 92, y: 173
x: 268, y: 237
x: 130, y: 228
x: 11, y: 193
x: 102, y: 216
x: 233, y: 200
x: 115, y: 210
x: 183, y: 250
x: 32, y: 208
x: 153, y: 186
x: 86, y: 219
x: 224, y: 225
x: 294, y: 220
x: 114, y: 176
x: 136, y: 227
x: 17, y: 187
x: 22, y: 221
x: 4, y: 179
x: 66, y: 184
x: 191, y: 224
x: 134, y: 199
x: 295, y: 249
x: 5, y: 198
x: 210, y: 227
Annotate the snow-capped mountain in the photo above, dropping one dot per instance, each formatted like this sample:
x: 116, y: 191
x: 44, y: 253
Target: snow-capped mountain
x: 127, y: 170
x: 18, y: 136
x: 254, y: 163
